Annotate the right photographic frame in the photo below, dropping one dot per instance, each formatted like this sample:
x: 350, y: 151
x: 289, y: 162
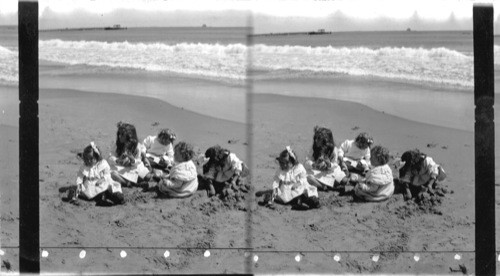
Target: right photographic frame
x: 362, y: 124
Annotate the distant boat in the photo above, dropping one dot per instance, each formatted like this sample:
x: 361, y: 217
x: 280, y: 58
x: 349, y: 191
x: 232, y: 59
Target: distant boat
x: 408, y: 30
x: 204, y: 26
x: 115, y: 27
x: 319, y: 32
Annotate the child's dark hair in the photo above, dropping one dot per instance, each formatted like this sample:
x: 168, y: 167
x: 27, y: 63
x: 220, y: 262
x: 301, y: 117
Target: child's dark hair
x: 90, y: 152
x: 323, y: 136
x: 364, y: 139
x: 131, y: 138
x: 381, y: 154
x: 217, y: 155
x: 167, y: 133
x: 288, y: 155
x: 413, y: 160
x: 185, y: 150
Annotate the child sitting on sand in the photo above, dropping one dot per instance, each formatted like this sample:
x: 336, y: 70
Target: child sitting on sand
x: 128, y: 163
x: 322, y: 162
x: 419, y: 173
x: 183, y: 178
x: 94, y: 180
x: 290, y: 183
x: 159, y: 149
x: 355, y: 154
x: 222, y: 170
x: 379, y: 183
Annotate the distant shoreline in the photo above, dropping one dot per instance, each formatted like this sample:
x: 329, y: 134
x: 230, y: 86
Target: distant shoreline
x: 85, y: 29
x: 294, y: 33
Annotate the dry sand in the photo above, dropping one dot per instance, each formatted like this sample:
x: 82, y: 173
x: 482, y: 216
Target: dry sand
x: 344, y: 225
x: 70, y: 119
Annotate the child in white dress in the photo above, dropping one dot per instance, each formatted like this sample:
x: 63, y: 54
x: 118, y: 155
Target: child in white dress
x: 222, y: 170
x: 290, y: 183
x: 183, y: 178
x: 160, y: 150
x: 322, y: 164
x: 128, y: 163
x: 419, y: 174
x: 94, y: 179
x: 379, y: 183
x: 355, y: 154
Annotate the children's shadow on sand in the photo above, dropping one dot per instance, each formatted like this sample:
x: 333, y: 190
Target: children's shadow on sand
x: 65, y: 190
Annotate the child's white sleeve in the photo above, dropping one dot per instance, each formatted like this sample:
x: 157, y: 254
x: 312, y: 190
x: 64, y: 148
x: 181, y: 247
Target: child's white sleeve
x: 184, y: 172
x: 236, y: 163
x: 148, y: 142
x: 80, y: 177
x: 344, y: 147
x: 141, y: 149
x: 276, y: 180
x: 301, y: 174
x: 105, y: 169
x: 431, y: 167
x: 170, y: 152
x: 381, y: 177
x: 368, y: 155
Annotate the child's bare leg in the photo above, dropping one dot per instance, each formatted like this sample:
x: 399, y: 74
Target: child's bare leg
x: 118, y: 178
x: 314, y: 182
x: 210, y: 188
x: 407, y: 194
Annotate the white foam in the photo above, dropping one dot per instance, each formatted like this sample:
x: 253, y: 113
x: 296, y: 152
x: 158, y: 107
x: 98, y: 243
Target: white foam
x: 9, y: 66
x: 437, y: 65
x: 209, y: 60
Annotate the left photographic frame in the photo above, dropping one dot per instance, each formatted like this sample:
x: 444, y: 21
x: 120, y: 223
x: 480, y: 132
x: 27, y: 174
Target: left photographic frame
x: 178, y: 75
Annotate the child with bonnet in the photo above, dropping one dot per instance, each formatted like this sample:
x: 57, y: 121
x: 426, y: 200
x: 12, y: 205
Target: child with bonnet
x: 94, y: 179
x: 290, y: 184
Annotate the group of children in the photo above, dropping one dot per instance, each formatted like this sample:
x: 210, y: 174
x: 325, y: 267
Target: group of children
x: 157, y: 164
x: 356, y: 162
x: 153, y: 164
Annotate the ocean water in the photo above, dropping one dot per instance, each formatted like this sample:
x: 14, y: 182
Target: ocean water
x: 399, y: 65
x: 436, y: 59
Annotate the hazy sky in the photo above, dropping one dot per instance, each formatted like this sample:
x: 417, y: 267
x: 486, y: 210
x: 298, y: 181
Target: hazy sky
x: 267, y: 15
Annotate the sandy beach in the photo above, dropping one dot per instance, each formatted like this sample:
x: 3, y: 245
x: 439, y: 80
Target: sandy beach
x: 344, y: 225
x: 70, y: 119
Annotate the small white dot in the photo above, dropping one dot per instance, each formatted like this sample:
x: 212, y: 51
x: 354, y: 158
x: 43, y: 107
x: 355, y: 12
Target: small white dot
x: 255, y: 258
x: 499, y: 257
x: 2, y: 252
x: 416, y: 258
x: 336, y: 257
x: 45, y: 254
x: 297, y: 258
x: 206, y: 254
x: 166, y: 254
x: 123, y: 254
x: 82, y: 254
x: 458, y: 257
x: 375, y: 258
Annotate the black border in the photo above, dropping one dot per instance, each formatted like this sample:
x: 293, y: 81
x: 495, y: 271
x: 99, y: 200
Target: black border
x: 484, y: 137
x: 29, y: 209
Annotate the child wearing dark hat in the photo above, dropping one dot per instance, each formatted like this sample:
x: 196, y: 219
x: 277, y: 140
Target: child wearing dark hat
x: 222, y: 170
x: 419, y: 174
